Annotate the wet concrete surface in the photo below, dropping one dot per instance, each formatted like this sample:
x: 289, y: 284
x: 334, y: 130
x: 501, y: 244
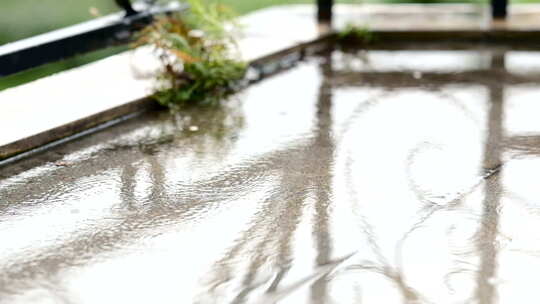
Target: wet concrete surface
x: 129, y: 79
x: 368, y: 177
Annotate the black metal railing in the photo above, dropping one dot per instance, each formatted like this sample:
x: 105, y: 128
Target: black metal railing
x: 499, y: 8
x: 324, y: 11
x: 82, y: 38
x: 116, y: 30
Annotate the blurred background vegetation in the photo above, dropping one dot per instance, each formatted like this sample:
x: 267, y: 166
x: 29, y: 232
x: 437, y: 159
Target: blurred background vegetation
x: 25, y: 18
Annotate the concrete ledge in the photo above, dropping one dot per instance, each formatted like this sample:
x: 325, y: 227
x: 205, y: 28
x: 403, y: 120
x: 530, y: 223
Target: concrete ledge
x: 61, y: 105
x: 454, y: 39
x: 74, y: 127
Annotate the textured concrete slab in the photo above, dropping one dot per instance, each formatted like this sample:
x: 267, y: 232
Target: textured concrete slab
x: 60, y: 105
x: 404, y: 176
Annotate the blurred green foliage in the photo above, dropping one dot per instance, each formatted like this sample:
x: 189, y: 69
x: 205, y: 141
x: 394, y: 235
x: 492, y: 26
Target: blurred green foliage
x: 24, y: 18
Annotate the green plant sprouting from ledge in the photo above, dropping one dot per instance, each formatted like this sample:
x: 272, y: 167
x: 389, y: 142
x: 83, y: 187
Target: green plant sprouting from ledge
x: 355, y: 32
x: 198, y: 53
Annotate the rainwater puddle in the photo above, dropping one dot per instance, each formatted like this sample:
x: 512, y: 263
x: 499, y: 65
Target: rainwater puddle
x: 375, y: 177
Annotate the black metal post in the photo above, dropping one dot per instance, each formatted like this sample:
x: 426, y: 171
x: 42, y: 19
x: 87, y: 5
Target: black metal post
x: 126, y: 5
x: 324, y: 11
x: 499, y: 8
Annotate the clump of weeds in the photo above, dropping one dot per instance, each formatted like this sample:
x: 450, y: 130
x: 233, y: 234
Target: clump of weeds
x: 353, y: 32
x: 198, y: 53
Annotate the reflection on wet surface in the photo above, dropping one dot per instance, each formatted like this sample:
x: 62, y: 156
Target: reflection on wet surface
x: 379, y: 176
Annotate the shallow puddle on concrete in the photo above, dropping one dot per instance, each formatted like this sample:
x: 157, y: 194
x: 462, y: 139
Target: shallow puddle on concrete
x: 394, y: 177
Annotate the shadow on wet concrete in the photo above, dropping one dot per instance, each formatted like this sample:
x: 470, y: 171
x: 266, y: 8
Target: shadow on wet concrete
x: 269, y: 239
